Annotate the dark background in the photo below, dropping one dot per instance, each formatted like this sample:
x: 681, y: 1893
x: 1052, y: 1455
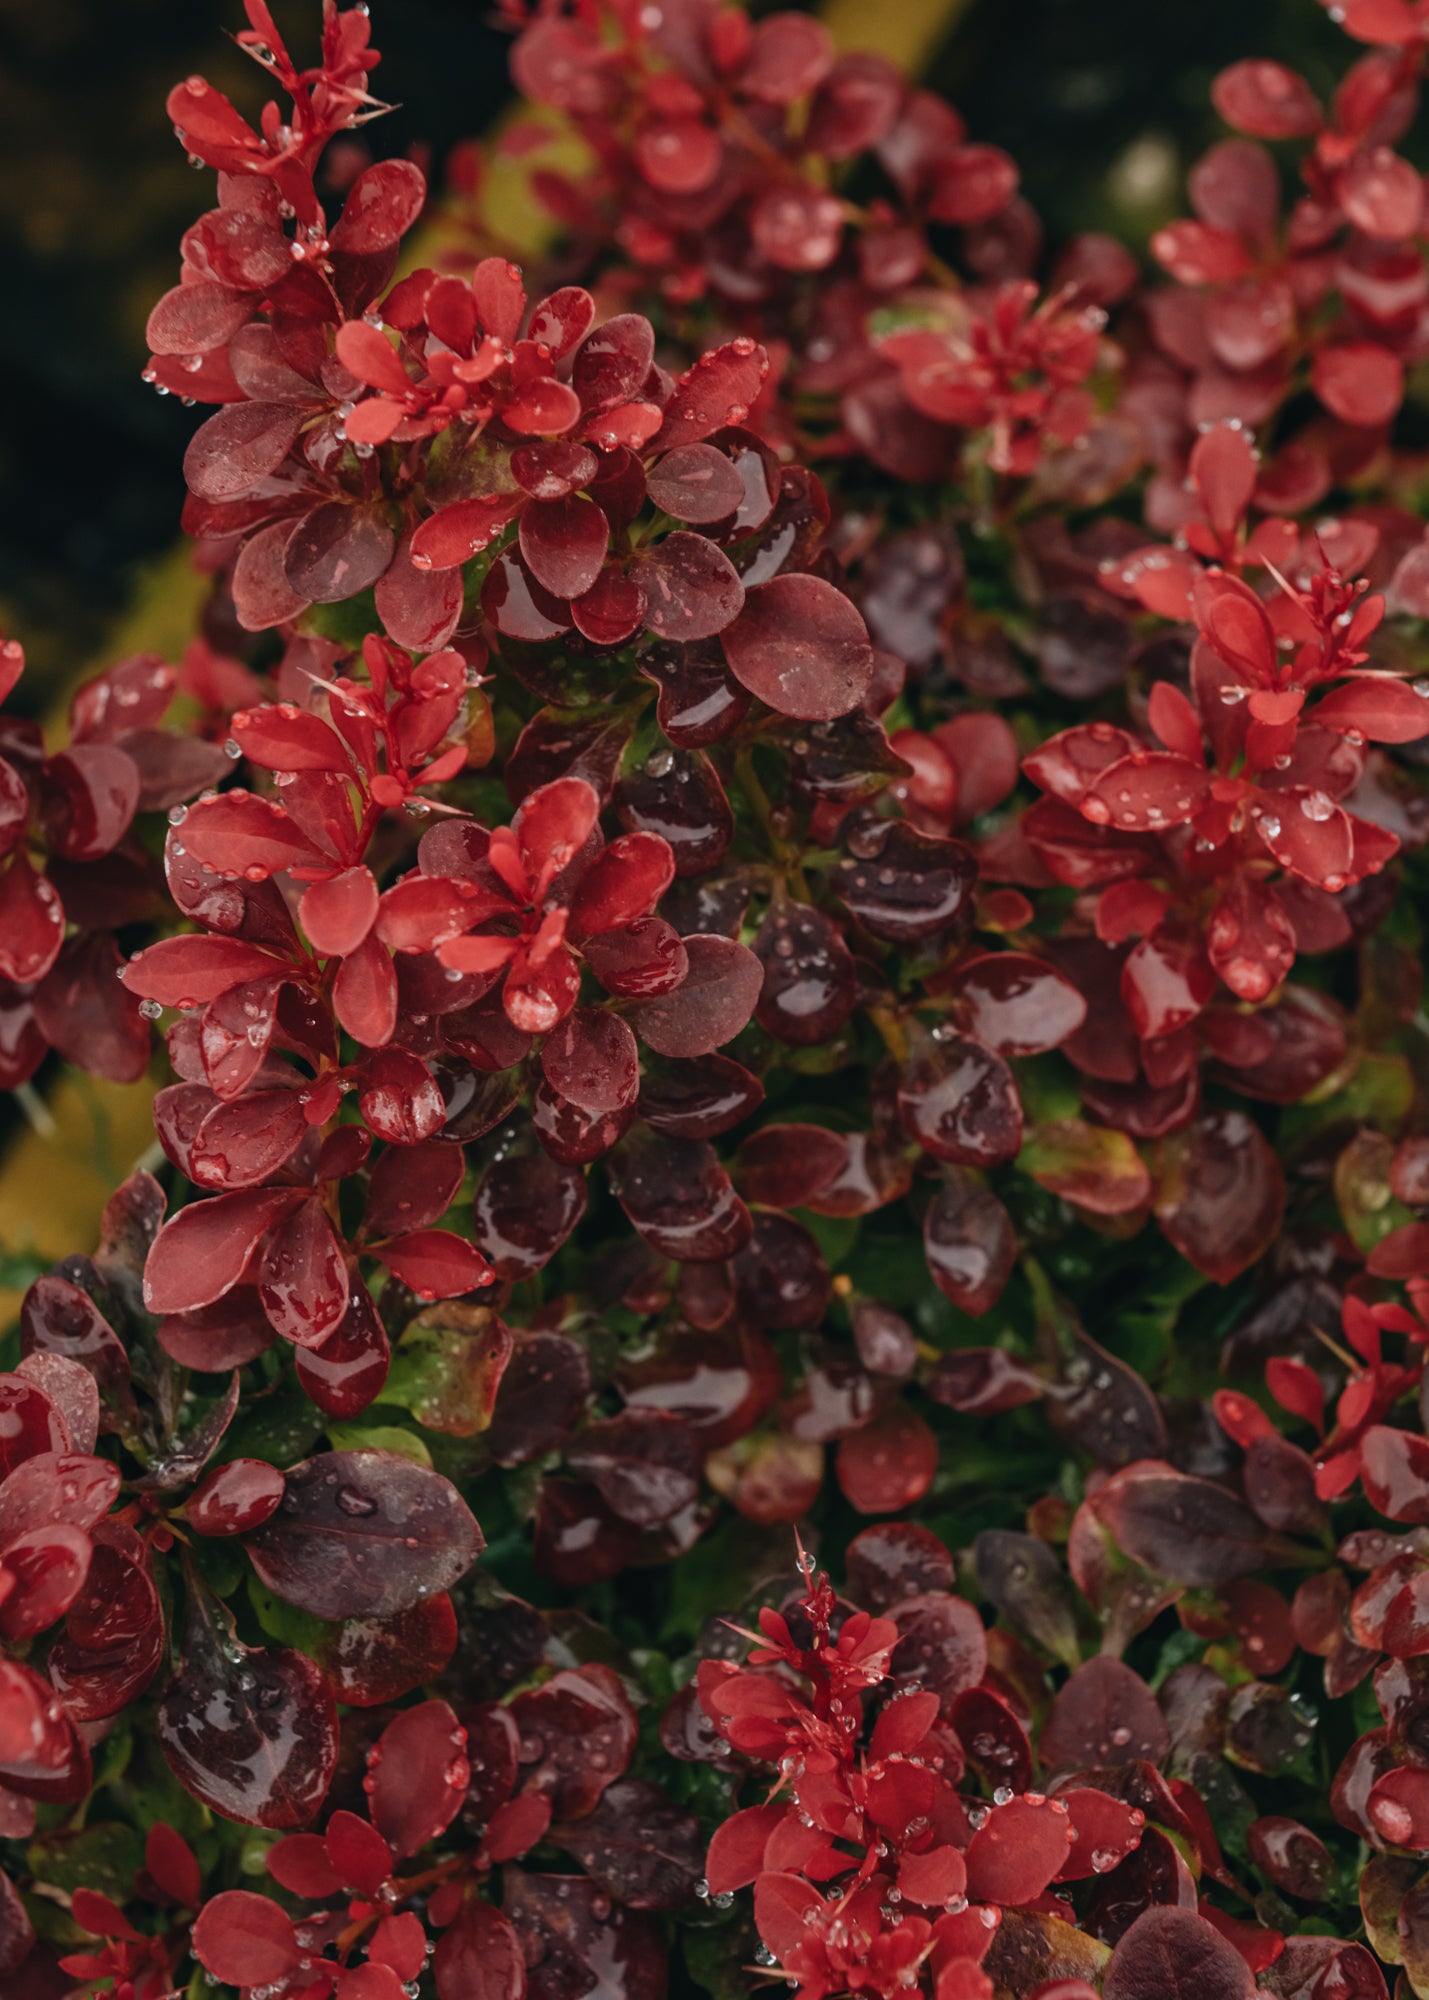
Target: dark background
x: 1103, y: 102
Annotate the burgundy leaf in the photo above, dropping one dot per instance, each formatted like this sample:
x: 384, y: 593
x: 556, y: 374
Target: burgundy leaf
x: 251, y: 1733
x: 364, y: 1534
x: 801, y: 647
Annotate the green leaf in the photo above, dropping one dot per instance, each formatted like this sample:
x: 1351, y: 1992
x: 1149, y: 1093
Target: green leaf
x: 103, y: 1857
x: 446, y: 1368
x: 284, y: 1622
x: 282, y: 1428
x: 379, y: 1437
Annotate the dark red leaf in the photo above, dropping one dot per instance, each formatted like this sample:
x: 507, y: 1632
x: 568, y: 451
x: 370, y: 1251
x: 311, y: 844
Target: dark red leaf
x: 251, y: 1733
x: 1104, y: 1715
x: 710, y: 1007
x: 800, y: 645
x: 364, y: 1534
x: 1171, y: 1954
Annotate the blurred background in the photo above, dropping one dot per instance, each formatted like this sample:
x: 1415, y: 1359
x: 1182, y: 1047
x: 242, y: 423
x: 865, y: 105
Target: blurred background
x: 1103, y: 102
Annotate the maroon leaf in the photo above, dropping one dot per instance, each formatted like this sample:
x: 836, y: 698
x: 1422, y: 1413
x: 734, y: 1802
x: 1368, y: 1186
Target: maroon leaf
x: 696, y: 483
x: 578, y: 1735
x: 969, y: 1243
x: 638, y: 1845
x: 691, y: 589
x: 1182, y: 1528
x: 373, y: 1661
x: 644, y: 1463
x: 710, y: 1007
x: 229, y: 454
x: 801, y: 647
x: 1221, y: 1194
x: 810, y: 982
x: 364, y: 1534
x: 479, y: 1957
x: 251, y: 1733
x: 564, y: 543
x: 678, y: 1197
x: 1104, y: 1715
x: 592, y: 1060
x: 1171, y: 1954
x: 525, y: 1209
x: 960, y: 1103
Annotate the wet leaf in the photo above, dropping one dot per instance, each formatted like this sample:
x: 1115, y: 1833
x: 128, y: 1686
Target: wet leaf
x: 364, y: 1534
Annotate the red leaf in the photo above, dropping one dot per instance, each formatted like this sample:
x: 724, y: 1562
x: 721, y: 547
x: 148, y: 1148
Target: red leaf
x: 623, y: 883
x: 285, y: 738
x: 462, y: 530
x: 245, y: 1940
x: 419, y: 1774
x: 782, y: 1905
x: 32, y: 923
x: 1378, y: 706
x: 366, y: 352
x: 1359, y: 381
x: 303, y: 1281
x: 337, y: 914
x: 358, y: 1853
x: 1107, y: 1831
x: 479, y: 1956
x: 1150, y: 791
x: 300, y: 1864
x: 420, y: 610
x: 1266, y: 100
x: 190, y: 971
x: 1196, y: 254
x: 364, y: 994
x: 721, y: 388
x: 239, y: 833
x: 889, y: 1464
x: 435, y: 1263
x: 736, y: 1853
x: 203, y: 1251
x: 1019, y: 1849
x: 382, y: 204
x: 170, y: 1861
x: 399, y: 1942
x: 234, y: 1497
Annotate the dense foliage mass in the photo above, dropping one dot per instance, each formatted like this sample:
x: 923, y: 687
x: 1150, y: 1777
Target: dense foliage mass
x: 783, y: 894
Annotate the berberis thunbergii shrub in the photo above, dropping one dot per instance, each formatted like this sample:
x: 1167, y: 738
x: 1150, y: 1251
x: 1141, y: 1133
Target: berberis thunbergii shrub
x: 783, y: 894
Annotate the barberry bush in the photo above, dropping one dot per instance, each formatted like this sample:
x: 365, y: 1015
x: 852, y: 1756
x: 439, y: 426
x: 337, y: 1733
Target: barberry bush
x: 777, y: 1334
